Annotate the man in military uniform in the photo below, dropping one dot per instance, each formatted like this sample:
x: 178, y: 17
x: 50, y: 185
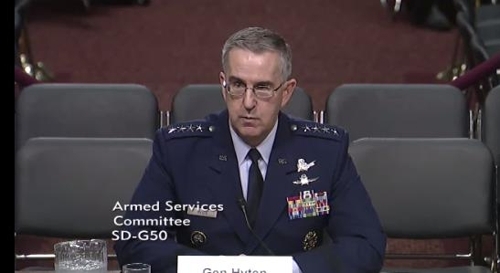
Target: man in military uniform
x: 253, y: 181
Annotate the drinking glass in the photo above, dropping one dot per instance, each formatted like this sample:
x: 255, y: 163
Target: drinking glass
x: 81, y: 256
x: 136, y: 268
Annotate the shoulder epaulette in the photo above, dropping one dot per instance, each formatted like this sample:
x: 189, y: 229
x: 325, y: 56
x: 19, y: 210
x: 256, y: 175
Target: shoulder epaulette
x: 199, y: 128
x: 314, y: 129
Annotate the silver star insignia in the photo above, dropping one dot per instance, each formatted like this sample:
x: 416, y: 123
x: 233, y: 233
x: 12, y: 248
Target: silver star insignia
x: 306, y: 129
x: 182, y: 129
x: 198, y: 128
x: 190, y: 128
x: 315, y: 129
x: 325, y: 129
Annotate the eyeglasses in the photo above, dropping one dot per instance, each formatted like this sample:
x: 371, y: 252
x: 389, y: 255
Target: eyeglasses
x: 261, y: 91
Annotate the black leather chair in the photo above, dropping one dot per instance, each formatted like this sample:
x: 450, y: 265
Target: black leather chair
x: 67, y: 187
x: 490, y: 127
x: 399, y: 110
x: 431, y: 188
x: 86, y: 110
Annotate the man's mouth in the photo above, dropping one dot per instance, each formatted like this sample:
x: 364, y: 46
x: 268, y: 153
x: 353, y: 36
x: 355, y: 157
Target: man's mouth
x: 248, y: 118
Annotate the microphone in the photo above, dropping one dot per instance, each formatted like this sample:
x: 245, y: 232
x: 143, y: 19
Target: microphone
x: 243, y: 206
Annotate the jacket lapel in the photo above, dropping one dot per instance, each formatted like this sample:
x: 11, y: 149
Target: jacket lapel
x: 226, y: 185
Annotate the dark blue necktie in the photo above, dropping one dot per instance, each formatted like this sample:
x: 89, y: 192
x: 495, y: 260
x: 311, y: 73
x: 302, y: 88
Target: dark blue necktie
x: 255, y: 186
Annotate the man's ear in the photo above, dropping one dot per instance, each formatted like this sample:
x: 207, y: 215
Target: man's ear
x: 222, y: 80
x: 288, y: 92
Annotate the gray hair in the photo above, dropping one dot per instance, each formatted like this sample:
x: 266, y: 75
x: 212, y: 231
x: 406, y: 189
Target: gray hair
x: 259, y: 40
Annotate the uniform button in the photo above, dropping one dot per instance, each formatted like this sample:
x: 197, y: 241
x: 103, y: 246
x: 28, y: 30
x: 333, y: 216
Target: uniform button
x: 198, y: 238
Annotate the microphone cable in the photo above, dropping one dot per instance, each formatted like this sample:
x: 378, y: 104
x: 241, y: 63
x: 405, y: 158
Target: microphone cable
x: 242, y: 204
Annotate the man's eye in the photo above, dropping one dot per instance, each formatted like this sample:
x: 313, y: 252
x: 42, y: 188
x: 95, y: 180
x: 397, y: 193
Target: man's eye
x: 238, y: 84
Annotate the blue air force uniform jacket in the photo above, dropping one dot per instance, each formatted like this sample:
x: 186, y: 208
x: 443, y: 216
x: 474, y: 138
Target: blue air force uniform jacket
x: 195, y: 163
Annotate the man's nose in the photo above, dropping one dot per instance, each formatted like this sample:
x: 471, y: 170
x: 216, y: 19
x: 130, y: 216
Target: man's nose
x: 249, y: 99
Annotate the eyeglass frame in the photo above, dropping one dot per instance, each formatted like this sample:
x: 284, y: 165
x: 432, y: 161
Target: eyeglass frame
x: 273, y: 91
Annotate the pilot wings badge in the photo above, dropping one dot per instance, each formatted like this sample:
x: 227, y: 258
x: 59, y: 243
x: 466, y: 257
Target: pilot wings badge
x: 304, y: 180
x: 302, y: 165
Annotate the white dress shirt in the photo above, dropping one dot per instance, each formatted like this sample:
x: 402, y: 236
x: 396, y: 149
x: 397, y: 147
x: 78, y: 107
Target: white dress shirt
x: 244, y: 163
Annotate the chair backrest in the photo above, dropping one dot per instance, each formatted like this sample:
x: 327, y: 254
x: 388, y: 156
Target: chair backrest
x: 490, y: 125
x: 399, y: 110
x: 67, y: 187
x: 492, y: 47
x: 491, y: 121
x: 490, y: 31
x: 195, y: 101
x: 86, y: 110
x: 428, y: 188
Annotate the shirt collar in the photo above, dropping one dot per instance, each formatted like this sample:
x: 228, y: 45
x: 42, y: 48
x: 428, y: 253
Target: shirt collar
x: 264, y: 148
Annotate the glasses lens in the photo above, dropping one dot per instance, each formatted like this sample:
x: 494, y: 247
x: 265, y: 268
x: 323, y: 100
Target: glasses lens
x: 263, y: 94
x: 236, y: 89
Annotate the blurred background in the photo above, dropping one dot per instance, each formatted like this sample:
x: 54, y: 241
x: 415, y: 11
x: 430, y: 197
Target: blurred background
x: 168, y: 44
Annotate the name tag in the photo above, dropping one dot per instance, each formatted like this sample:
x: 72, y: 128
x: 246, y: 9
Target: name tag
x: 202, y: 213
x: 234, y: 264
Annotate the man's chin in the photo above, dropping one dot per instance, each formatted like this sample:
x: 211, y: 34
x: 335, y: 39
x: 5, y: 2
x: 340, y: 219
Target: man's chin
x: 249, y: 134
